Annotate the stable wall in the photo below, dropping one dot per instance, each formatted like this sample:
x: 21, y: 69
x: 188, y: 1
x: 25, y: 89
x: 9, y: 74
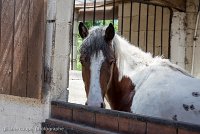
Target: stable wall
x: 183, y: 28
x: 190, y: 22
x: 23, y: 115
x: 152, y: 30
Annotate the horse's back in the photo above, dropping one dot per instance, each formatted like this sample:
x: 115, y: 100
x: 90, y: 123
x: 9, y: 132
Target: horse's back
x: 169, y: 94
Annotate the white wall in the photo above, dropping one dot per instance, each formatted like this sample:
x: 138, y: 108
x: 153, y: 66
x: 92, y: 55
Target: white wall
x: 21, y: 115
x: 183, y: 27
x: 178, y: 36
x: 59, y: 18
x: 191, y: 14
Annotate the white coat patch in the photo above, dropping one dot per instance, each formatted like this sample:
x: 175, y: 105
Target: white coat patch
x: 95, y: 94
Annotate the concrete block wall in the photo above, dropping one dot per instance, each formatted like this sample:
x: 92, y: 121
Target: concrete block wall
x: 143, y: 26
x: 178, y: 36
x: 191, y: 14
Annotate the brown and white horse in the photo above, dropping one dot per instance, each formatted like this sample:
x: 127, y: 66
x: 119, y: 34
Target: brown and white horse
x: 133, y: 81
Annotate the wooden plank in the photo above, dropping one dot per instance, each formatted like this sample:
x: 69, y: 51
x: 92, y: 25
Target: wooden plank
x: 6, y: 45
x: 35, y: 48
x: 20, y: 48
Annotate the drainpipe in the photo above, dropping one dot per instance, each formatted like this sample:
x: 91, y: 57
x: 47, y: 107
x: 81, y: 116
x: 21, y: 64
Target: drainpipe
x: 195, y: 39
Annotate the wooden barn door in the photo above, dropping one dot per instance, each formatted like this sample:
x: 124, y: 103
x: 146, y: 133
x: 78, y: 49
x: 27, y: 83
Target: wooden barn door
x: 22, y: 24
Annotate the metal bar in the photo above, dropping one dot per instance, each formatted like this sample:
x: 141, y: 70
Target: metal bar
x: 170, y: 22
x: 154, y: 36
x: 138, y: 41
x: 113, y: 12
x: 122, y: 17
x: 161, y: 39
x: 94, y: 12
x: 84, y: 11
x: 104, y: 12
x: 72, y: 37
x: 147, y: 27
x: 130, y: 21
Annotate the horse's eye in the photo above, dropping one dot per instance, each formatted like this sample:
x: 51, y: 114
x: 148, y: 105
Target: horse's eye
x: 111, y: 61
x: 81, y: 61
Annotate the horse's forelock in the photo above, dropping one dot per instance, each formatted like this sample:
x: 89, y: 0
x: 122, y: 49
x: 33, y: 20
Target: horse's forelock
x: 94, y: 43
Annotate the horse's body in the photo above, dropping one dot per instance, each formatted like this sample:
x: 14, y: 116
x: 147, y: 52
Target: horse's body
x: 139, y: 83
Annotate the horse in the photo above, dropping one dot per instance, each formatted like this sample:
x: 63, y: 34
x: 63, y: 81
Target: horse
x: 134, y: 81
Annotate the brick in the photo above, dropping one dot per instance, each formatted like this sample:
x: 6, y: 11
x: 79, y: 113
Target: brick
x: 124, y: 125
x: 151, y: 10
x: 151, y: 23
x: 165, y: 38
x: 191, y: 20
x: 183, y: 131
x: 62, y: 113
x: 131, y: 126
x: 137, y: 127
x: 158, y: 38
x: 135, y: 11
x: 126, y: 24
x: 192, y: 5
x: 188, y: 67
x: 127, y: 9
x: 143, y: 22
x: 107, y: 122
x: 159, y: 129
x: 134, y: 25
x: 84, y: 117
x: 166, y: 19
x: 142, y: 42
x: 188, y: 55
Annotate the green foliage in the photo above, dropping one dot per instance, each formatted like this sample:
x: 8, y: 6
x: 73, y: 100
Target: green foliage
x: 89, y: 24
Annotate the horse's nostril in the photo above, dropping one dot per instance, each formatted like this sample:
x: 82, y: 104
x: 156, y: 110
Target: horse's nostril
x: 86, y: 103
x: 102, y: 105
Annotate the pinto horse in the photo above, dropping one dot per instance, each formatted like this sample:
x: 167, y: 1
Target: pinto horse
x: 132, y: 80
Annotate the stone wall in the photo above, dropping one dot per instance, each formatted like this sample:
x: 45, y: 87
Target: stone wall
x: 191, y: 15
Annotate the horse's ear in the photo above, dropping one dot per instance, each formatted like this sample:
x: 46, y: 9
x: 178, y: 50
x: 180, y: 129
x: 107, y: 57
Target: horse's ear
x: 110, y: 32
x: 83, y: 31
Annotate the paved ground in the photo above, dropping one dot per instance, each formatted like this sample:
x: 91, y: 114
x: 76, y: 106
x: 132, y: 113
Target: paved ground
x: 76, y: 88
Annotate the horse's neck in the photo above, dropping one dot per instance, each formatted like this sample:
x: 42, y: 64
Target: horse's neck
x: 120, y: 93
x: 129, y: 57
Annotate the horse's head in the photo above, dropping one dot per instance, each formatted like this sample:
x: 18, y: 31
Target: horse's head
x: 97, y: 59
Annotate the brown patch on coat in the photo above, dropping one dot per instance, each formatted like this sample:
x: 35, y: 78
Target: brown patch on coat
x: 120, y: 94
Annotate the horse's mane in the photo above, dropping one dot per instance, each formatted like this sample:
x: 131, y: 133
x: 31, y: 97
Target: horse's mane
x: 131, y: 59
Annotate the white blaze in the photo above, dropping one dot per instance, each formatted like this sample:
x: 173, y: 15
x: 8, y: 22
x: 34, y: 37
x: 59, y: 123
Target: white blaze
x: 95, y: 94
